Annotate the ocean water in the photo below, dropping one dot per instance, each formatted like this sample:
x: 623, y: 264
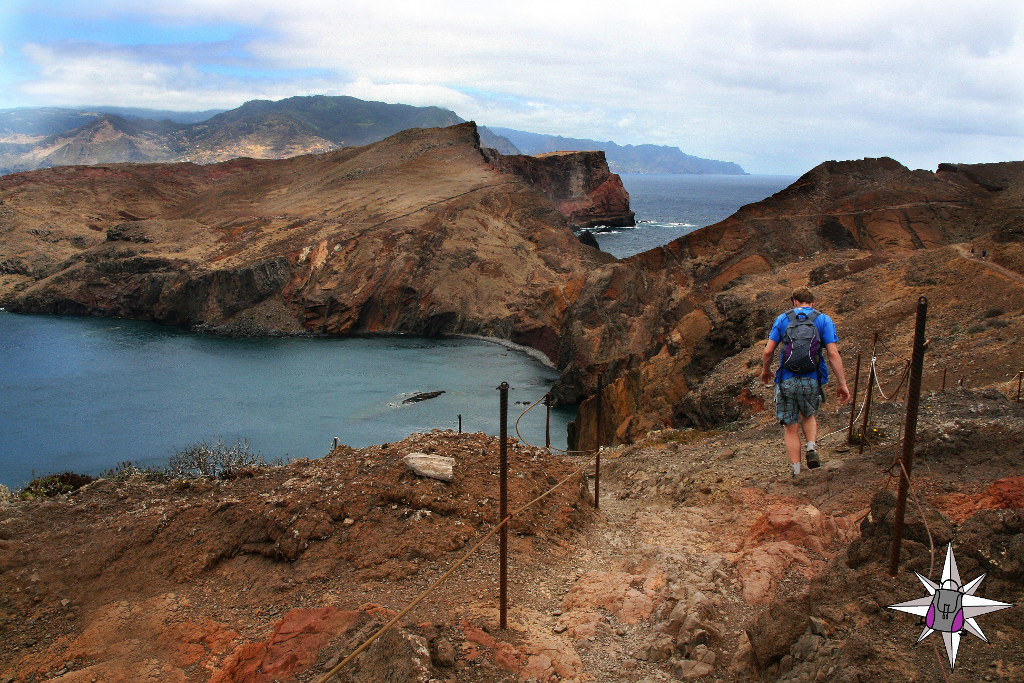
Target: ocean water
x: 84, y: 394
x: 668, y: 206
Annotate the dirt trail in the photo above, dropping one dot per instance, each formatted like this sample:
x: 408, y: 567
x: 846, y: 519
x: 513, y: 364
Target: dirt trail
x: 1013, y: 275
x: 716, y: 514
x: 706, y: 561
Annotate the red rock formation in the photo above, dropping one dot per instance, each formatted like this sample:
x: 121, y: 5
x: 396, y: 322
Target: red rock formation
x: 292, y: 648
x: 427, y: 233
x: 579, y: 183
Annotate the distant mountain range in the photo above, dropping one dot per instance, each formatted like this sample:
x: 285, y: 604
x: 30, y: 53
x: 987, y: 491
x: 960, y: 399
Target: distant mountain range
x: 37, y: 138
x: 622, y: 158
x: 33, y: 138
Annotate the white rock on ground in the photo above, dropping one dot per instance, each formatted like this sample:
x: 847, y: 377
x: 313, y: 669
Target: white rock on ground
x: 433, y: 466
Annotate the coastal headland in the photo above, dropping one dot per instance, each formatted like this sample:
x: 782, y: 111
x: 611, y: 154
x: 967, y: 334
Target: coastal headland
x: 706, y: 561
x: 421, y: 233
x: 428, y: 232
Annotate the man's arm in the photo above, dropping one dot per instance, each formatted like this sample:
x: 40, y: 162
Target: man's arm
x: 766, y: 361
x: 836, y: 361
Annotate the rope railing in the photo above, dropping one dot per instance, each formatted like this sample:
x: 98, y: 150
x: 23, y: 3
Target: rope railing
x: 1012, y: 379
x: 891, y: 352
x: 550, y: 448
x: 888, y: 476
x: 503, y: 523
x: 903, y: 378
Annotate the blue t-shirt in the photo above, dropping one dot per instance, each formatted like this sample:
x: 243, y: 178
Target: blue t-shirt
x: 827, y: 332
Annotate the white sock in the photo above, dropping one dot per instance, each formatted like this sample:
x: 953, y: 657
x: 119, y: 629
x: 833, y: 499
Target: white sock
x: 810, y: 445
x: 796, y: 468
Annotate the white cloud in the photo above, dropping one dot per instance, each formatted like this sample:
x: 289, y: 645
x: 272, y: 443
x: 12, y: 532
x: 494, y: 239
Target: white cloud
x: 775, y: 86
x: 420, y: 95
x: 86, y: 75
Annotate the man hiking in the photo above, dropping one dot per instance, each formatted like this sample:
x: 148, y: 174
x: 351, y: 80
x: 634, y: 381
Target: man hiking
x: 802, y: 333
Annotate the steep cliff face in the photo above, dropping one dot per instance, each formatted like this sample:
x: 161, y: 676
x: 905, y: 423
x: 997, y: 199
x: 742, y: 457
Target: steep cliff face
x: 418, y: 233
x: 579, y: 183
x: 657, y: 325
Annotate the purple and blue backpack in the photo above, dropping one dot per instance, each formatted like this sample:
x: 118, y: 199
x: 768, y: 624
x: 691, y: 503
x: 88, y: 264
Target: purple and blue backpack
x: 801, y: 344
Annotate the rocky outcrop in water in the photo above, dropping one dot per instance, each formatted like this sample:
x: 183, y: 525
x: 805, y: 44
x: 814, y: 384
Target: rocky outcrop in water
x: 579, y: 183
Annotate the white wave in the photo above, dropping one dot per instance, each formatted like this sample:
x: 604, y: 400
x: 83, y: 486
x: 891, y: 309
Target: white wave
x: 658, y: 224
x: 608, y: 230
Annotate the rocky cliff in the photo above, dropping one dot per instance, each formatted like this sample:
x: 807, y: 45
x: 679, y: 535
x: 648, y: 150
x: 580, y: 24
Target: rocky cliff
x: 420, y: 233
x: 707, y: 557
x: 579, y: 183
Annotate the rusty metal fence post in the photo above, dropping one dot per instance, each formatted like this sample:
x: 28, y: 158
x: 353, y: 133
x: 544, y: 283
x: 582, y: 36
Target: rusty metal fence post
x: 597, y: 441
x: 867, y: 408
x: 503, y: 508
x: 547, y: 422
x: 907, y: 462
x: 853, y: 403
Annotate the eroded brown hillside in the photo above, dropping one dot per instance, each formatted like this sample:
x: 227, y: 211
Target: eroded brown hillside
x: 419, y: 233
x: 706, y: 561
x: 870, y: 237
x: 427, y: 233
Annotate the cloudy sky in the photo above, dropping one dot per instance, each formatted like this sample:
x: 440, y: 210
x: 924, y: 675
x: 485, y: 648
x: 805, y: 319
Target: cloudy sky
x: 777, y: 87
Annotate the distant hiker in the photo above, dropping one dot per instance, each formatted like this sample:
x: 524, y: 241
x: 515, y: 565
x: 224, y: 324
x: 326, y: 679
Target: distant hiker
x: 972, y: 252
x: 803, y: 333
x: 984, y: 254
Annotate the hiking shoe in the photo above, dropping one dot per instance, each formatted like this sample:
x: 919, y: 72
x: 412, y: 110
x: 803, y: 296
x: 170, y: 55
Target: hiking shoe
x: 812, y: 459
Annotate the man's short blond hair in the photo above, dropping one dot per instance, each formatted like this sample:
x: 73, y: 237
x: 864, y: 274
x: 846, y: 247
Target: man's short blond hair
x: 803, y: 295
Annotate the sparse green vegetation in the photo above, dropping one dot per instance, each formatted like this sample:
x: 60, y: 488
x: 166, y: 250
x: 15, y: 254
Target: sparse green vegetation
x: 123, y: 471
x: 203, y: 460
x: 875, y: 435
x: 54, y: 485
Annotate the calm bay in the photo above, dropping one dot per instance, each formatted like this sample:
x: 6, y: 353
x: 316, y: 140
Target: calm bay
x: 84, y: 394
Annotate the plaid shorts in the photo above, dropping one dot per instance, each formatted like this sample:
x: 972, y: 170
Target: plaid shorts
x: 796, y: 397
